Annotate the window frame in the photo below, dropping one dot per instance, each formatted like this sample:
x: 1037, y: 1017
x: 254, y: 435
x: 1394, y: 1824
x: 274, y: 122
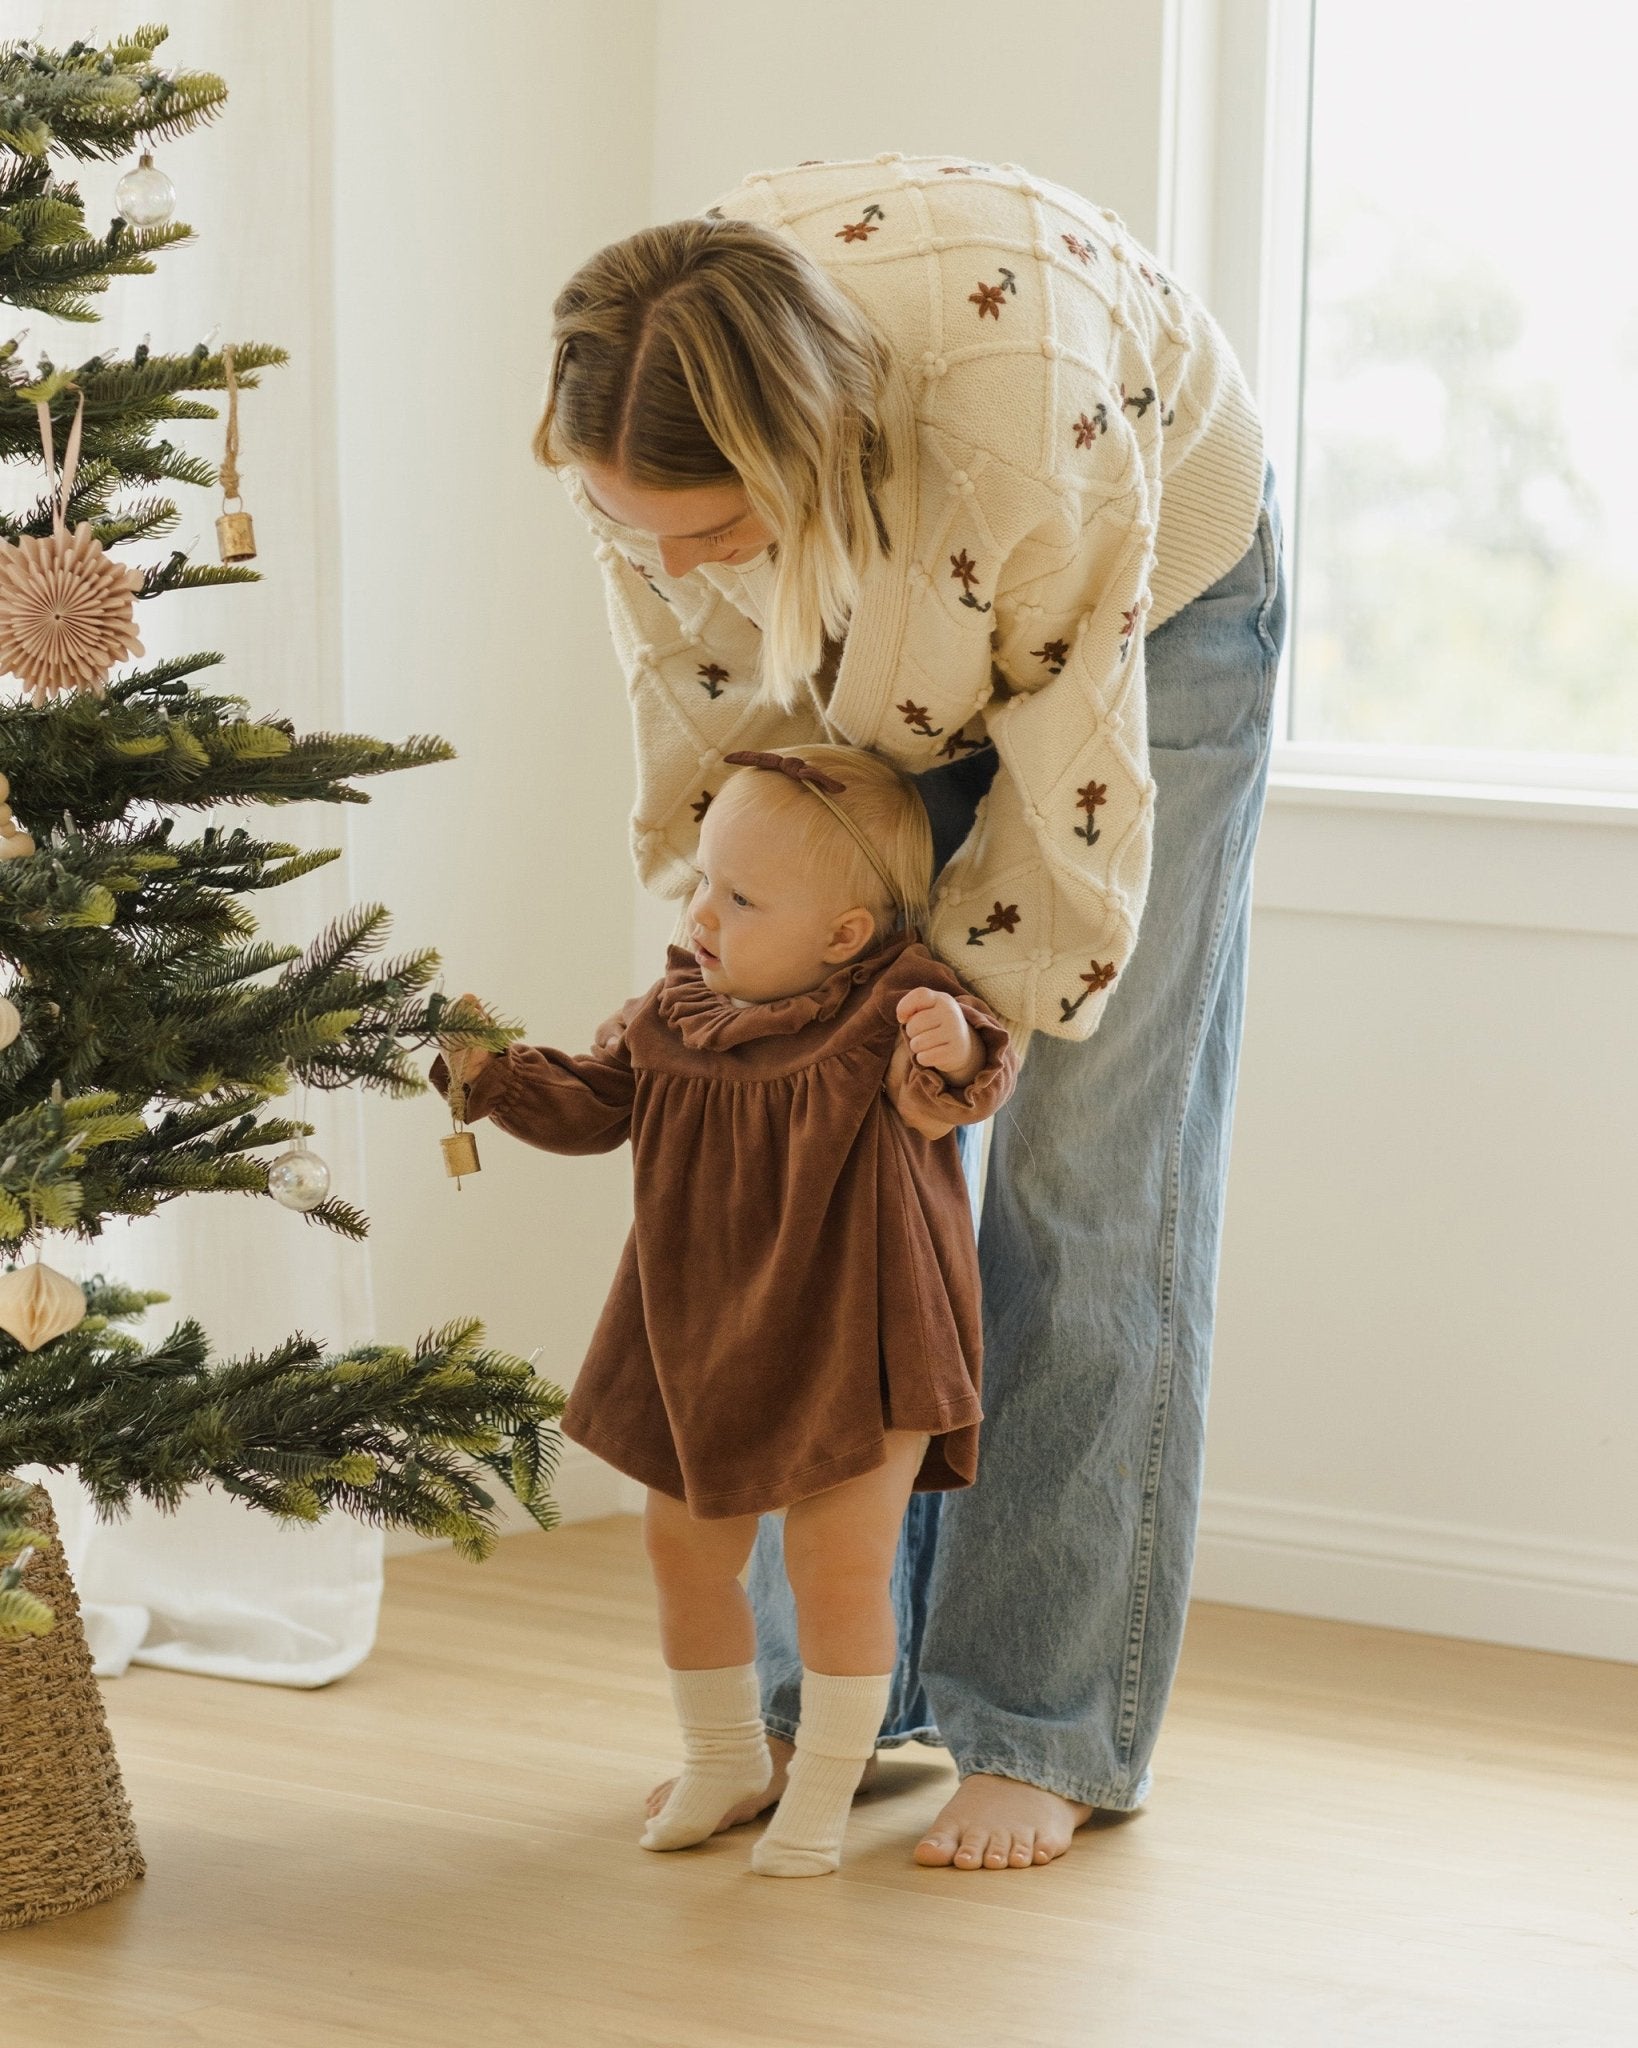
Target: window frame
x: 1236, y: 123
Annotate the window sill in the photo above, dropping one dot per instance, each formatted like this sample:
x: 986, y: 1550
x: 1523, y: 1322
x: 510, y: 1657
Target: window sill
x: 1479, y: 800
x: 1449, y: 853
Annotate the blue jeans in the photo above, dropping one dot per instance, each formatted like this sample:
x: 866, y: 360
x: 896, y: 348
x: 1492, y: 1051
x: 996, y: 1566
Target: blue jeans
x: 1040, y: 1611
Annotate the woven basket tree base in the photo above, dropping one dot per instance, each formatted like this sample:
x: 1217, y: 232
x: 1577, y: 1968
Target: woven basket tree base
x: 66, y: 1839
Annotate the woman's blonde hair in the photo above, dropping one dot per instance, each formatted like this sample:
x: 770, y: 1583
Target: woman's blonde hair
x: 712, y: 351
x: 880, y: 799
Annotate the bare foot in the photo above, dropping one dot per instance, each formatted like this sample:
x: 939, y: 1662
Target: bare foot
x: 759, y: 1802
x: 999, y: 1824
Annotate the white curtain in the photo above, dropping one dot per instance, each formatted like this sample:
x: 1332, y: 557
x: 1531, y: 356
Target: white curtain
x: 218, y: 1588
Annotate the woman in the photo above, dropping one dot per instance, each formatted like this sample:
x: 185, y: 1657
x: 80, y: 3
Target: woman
x: 929, y: 456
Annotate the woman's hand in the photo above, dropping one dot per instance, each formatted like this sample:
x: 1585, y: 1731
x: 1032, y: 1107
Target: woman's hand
x: 939, y: 1035
x: 613, y: 1029
x: 465, y: 1062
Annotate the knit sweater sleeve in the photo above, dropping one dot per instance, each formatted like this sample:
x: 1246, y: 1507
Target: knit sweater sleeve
x: 1042, y: 908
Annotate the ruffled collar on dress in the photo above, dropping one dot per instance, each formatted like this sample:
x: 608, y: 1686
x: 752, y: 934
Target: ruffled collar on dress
x: 702, y: 1018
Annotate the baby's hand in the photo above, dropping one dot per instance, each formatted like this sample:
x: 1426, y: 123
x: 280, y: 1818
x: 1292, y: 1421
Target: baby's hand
x: 465, y: 1062
x: 939, y: 1035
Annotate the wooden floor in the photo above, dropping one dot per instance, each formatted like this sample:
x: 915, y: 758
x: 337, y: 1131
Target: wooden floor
x: 1355, y: 1837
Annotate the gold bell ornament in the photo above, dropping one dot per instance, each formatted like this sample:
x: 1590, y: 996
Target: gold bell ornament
x: 235, y: 536
x: 460, y: 1148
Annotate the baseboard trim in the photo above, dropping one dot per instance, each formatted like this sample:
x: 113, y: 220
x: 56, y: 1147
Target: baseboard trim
x: 584, y: 1488
x: 1436, y: 1578
x: 1341, y: 1564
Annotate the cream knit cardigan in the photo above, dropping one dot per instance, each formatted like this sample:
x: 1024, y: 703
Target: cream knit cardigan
x: 1076, y: 456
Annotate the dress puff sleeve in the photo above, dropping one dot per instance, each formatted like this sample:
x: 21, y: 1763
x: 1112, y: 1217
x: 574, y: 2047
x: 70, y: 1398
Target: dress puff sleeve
x: 558, y: 1101
x: 989, y: 1087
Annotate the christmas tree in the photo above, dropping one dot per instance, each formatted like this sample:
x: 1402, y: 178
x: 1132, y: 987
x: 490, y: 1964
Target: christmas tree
x: 144, y: 1029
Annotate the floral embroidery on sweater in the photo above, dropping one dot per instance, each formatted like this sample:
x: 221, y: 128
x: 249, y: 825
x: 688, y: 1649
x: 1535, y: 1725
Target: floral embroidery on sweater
x: 1055, y: 653
x: 1103, y: 973
x: 1128, y: 625
x: 1090, y: 425
x: 699, y: 809
x: 965, y: 572
x: 712, y: 676
x: 647, y: 577
x: 915, y: 716
x: 1141, y: 405
x: 1076, y: 247
x: 1087, y: 799
x: 959, y: 743
x: 863, y: 228
x: 989, y: 297
x: 960, y: 170
x: 1003, y: 918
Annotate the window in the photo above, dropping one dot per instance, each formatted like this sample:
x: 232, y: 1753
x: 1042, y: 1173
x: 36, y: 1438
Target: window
x: 1444, y: 336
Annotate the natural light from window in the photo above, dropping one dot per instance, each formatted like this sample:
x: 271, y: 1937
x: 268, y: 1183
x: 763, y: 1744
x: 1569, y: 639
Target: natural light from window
x: 1468, y: 546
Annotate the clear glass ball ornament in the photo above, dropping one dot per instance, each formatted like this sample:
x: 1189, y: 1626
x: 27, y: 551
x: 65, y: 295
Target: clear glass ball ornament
x: 145, y: 196
x: 298, y: 1179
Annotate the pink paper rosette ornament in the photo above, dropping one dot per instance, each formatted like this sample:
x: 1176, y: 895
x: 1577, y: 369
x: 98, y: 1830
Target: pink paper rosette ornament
x: 67, y: 608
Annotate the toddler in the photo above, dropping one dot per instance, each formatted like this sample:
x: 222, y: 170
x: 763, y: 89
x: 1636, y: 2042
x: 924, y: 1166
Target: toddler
x: 794, y: 1323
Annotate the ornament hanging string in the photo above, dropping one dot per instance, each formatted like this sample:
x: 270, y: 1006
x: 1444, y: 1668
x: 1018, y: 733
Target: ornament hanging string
x: 235, y: 532
x: 230, y: 458
x: 71, y: 459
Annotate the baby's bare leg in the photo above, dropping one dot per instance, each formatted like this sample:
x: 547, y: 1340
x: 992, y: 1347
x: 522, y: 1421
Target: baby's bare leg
x: 839, y: 1551
x: 708, y: 1638
x: 705, y: 1618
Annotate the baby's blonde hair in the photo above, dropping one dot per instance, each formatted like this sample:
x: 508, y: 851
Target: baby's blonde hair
x: 880, y: 799
x: 714, y: 351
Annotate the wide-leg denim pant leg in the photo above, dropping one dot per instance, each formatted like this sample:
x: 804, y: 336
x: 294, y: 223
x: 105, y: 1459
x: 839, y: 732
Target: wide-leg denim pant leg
x: 1041, y: 1609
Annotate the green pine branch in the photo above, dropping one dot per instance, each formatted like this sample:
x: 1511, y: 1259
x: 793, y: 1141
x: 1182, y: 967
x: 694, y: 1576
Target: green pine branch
x: 396, y: 1438
x: 124, y: 401
x: 89, y: 102
x: 59, y: 277
x: 150, y: 741
x: 117, y: 1042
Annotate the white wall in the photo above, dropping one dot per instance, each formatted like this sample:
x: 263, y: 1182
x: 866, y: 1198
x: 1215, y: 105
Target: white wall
x: 1424, y: 1409
x: 478, y: 158
x: 1069, y: 87
x: 1425, y: 1406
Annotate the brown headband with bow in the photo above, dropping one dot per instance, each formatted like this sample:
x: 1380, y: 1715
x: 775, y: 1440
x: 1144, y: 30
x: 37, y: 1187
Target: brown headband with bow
x: 826, y: 788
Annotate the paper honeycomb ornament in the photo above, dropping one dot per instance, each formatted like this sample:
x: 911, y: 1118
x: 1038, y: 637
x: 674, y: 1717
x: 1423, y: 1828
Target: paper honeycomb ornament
x: 67, y: 609
x: 38, y: 1303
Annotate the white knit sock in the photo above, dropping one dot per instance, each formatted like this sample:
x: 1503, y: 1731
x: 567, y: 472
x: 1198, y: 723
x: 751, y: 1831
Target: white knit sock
x: 835, y: 1739
x: 725, y: 1753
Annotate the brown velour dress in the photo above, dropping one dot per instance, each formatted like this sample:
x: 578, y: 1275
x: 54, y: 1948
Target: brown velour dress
x: 802, y: 1273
